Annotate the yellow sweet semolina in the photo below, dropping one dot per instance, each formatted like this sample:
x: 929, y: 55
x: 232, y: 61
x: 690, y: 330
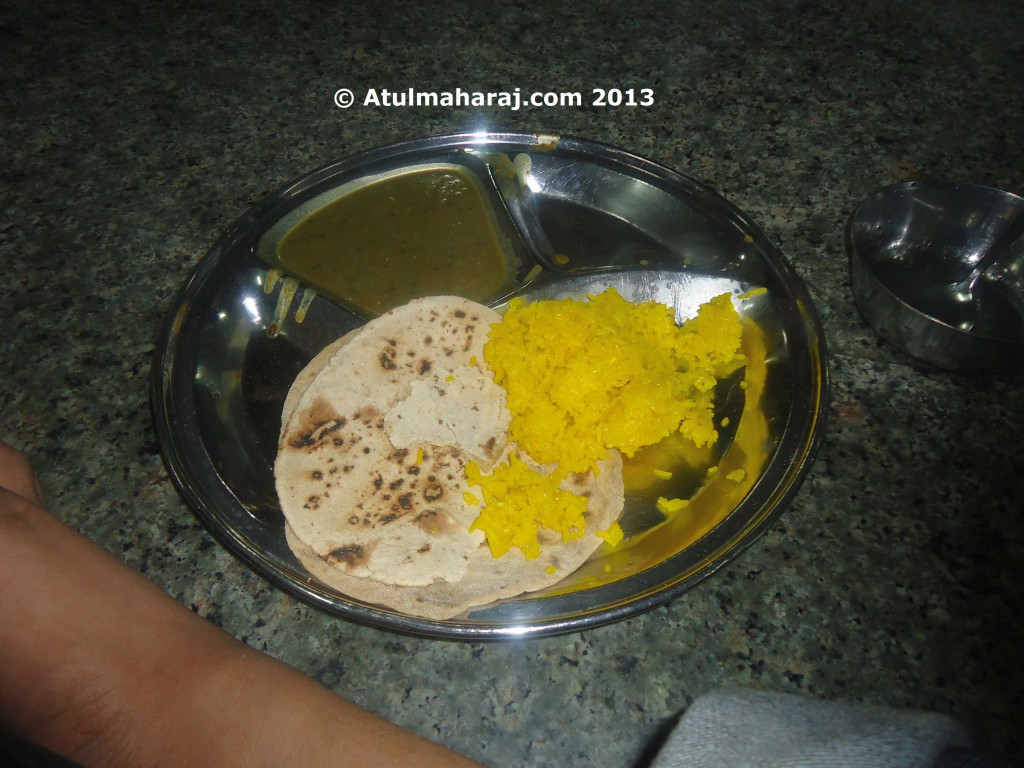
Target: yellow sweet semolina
x: 518, y: 501
x: 670, y: 506
x: 613, y: 536
x: 585, y: 376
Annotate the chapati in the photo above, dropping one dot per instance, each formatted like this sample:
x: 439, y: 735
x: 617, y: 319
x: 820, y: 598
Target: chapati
x: 372, y: 508
x: 376, y: 432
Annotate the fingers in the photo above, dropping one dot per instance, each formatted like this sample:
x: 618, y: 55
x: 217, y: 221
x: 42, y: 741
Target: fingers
x: 16, y: 474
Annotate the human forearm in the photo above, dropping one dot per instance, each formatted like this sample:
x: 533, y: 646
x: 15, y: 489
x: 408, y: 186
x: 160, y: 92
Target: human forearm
x: 102, y: 666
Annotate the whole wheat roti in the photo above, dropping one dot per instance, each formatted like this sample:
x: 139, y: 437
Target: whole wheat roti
x: 487, y: 578
x: 432, y: 411
x: 392, y: 508
x: 306, y: 376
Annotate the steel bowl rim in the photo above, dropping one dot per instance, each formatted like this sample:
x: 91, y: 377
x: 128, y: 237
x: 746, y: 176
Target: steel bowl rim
x: 859, y: 262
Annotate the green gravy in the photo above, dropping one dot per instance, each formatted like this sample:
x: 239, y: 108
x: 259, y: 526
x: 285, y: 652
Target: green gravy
x: 422, y: 233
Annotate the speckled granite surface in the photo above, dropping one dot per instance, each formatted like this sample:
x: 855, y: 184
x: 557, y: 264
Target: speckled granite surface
x: 132, y: 137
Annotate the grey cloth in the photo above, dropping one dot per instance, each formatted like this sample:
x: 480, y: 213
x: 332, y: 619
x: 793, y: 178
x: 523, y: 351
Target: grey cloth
x: 744, y: 729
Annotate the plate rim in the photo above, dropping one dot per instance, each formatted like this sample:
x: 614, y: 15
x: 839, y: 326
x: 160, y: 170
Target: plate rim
x: 715, y: 554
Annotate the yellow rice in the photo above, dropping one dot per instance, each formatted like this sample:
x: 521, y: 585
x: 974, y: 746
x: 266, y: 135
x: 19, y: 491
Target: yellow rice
x: 584, y: 377
x: 518, y: 502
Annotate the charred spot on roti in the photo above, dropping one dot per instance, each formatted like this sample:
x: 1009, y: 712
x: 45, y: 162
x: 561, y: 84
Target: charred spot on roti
x: 547, y: 536
x: 580, y: 479
x: 396, y: 484
x: 366, y: 415
x: 434, y: 522
x: 318, y: 421
x: 405, y: 501
x: 351, y: 555
x: 428, y: 340
x: 387, y: 359
x: 425, y: 366
x: 313, y: 502
x: 316, y: 474
x: 459, y: 313
x: 433, y: 492
x: 314, y: 435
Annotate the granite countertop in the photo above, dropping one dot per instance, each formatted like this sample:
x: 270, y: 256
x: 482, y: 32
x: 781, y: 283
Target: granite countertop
x: 133, y: 137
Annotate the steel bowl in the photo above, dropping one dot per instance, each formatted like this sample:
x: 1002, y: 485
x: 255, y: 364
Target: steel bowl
x: 595, y: 217
x: 937, y: 269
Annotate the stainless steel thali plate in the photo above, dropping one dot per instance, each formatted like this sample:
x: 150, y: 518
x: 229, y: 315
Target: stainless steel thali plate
x: 584, y: 217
